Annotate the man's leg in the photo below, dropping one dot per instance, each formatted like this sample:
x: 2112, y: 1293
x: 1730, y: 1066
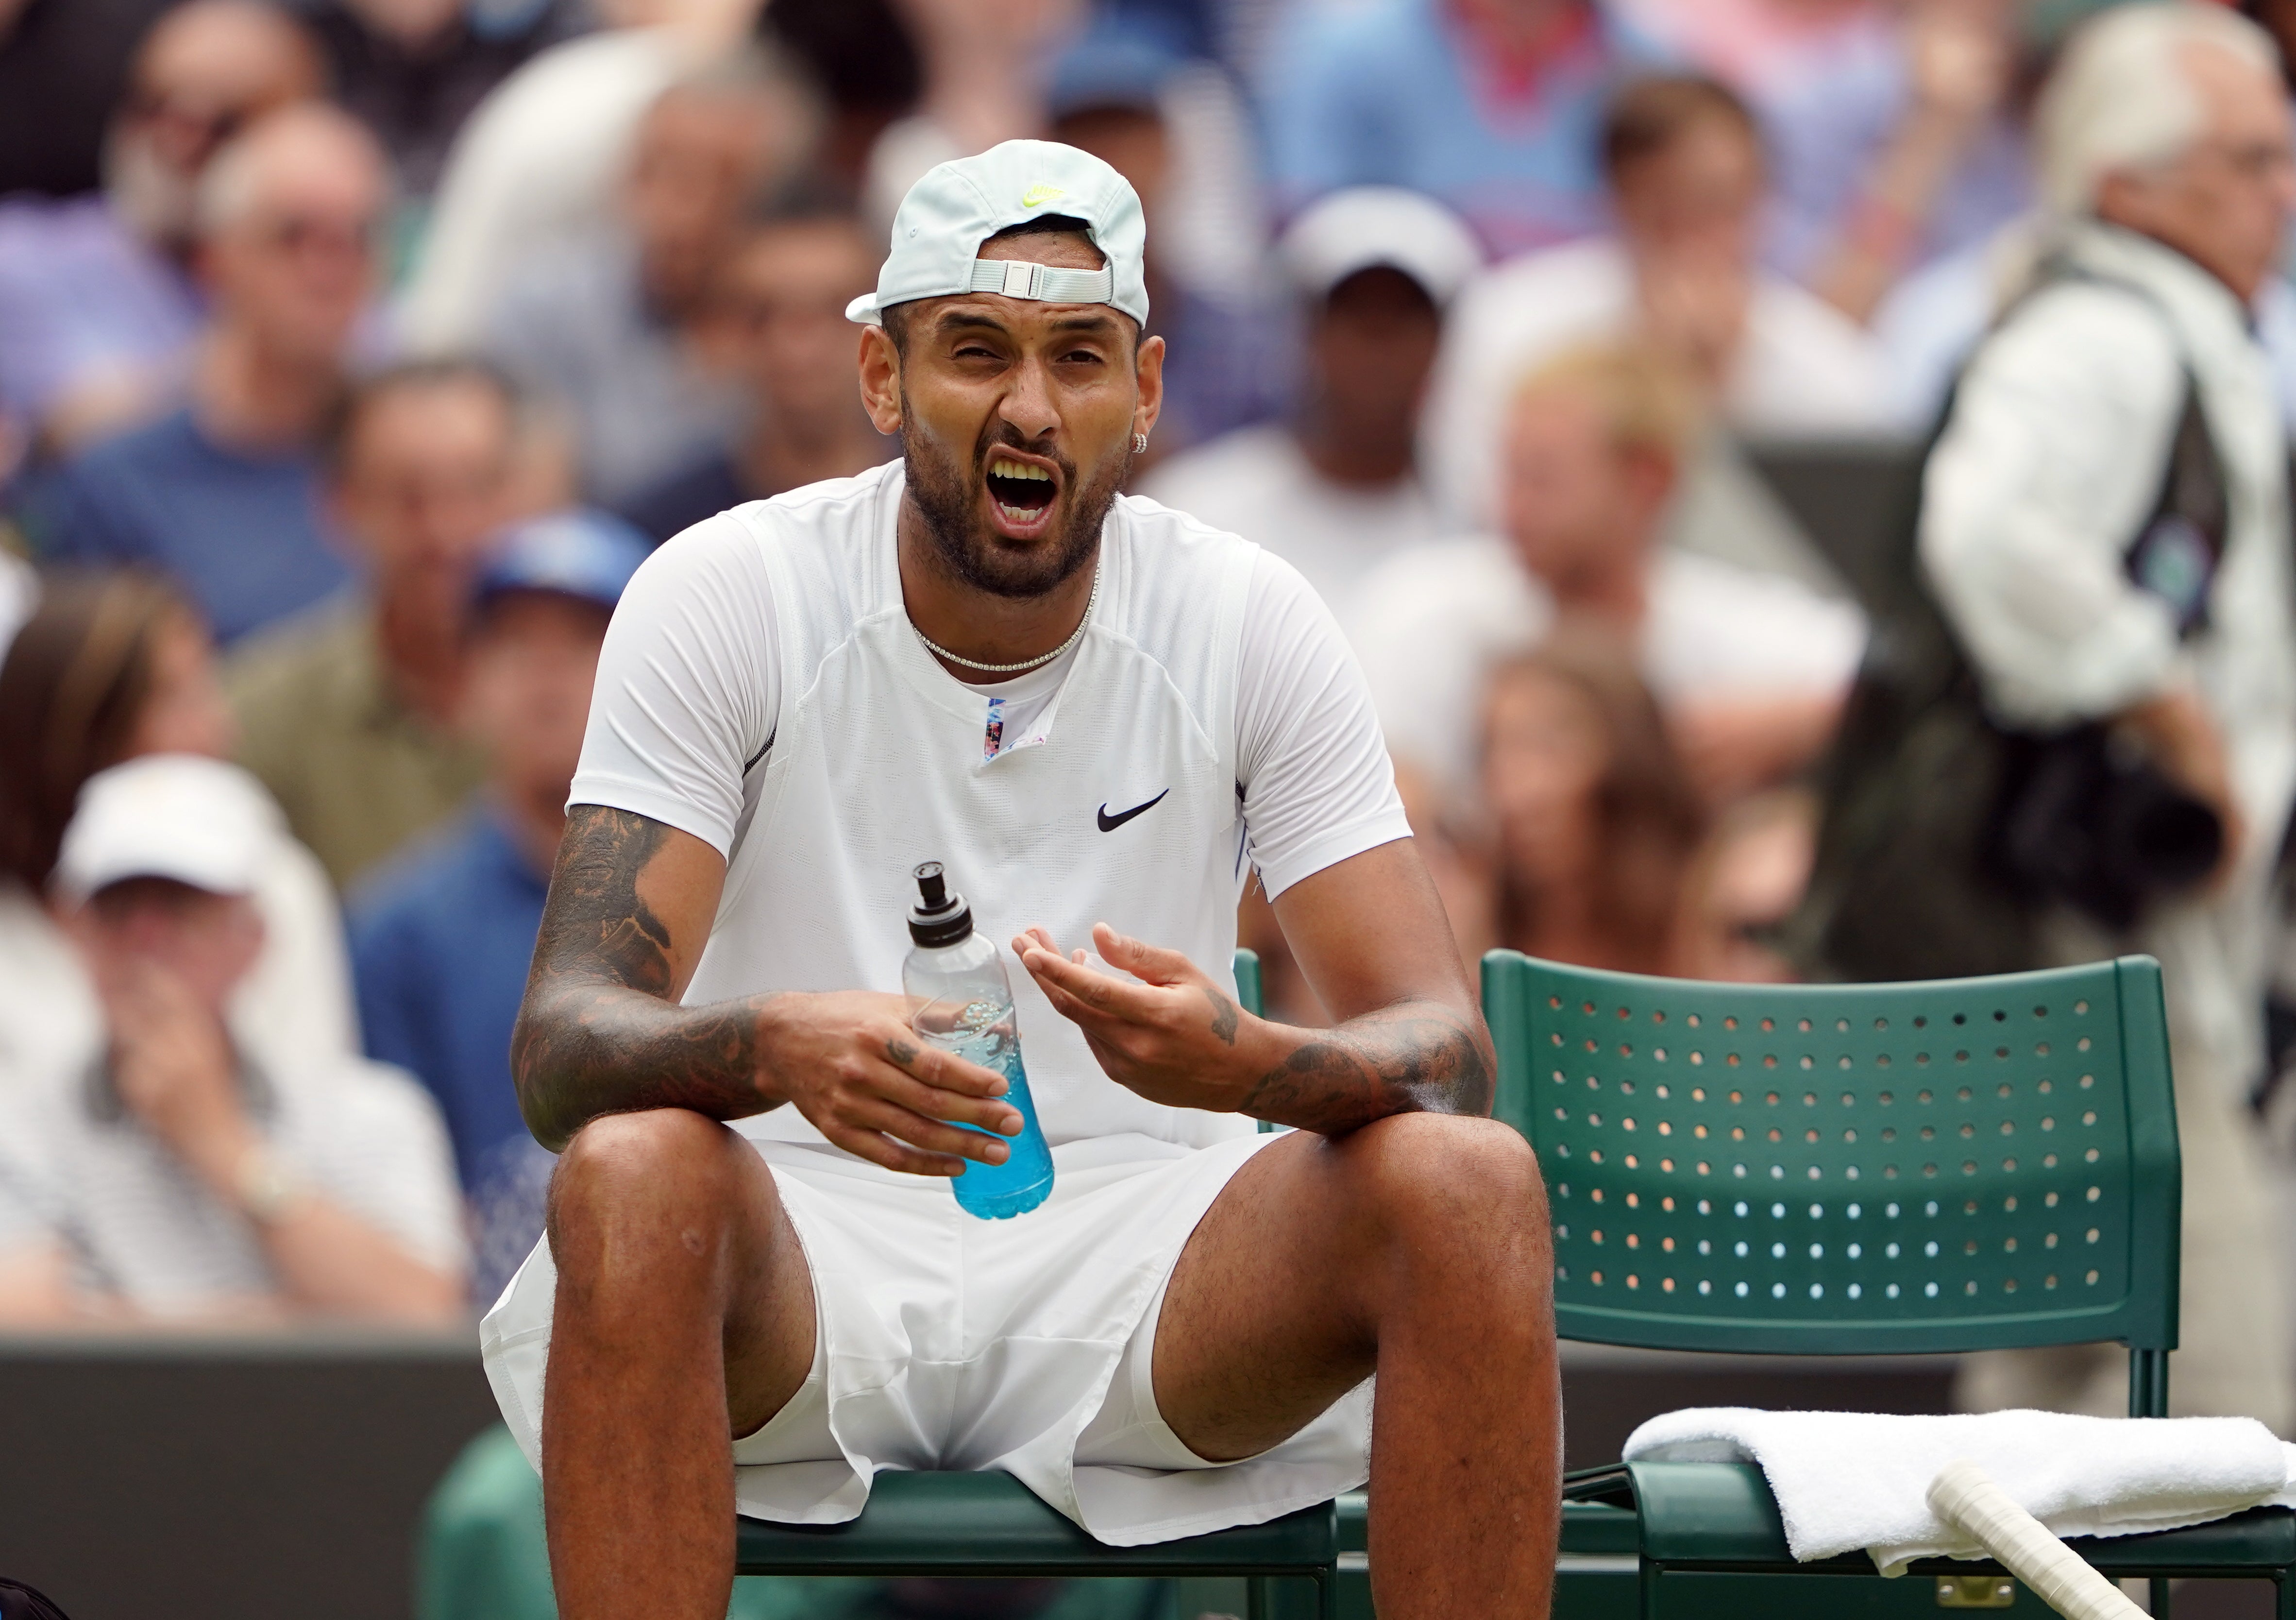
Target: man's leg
x: 1417, y: 1246
x: 684, y: 1316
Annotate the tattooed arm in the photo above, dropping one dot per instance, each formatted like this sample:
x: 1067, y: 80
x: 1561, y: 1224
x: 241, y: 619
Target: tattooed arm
x: 1373, y: 939
x: 602, y: 1030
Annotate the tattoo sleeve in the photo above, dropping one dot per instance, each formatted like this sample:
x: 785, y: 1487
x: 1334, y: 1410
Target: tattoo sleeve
x: 1419, y: 1056
x: 597, y: 1033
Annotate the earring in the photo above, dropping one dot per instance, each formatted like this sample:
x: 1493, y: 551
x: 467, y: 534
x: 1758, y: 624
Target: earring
x: 1139, y: 443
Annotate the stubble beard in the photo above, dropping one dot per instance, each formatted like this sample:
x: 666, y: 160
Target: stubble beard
x: 973, y: 552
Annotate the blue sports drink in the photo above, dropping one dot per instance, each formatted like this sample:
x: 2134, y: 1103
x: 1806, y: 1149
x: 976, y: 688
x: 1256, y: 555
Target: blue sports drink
x: 967, y: 1009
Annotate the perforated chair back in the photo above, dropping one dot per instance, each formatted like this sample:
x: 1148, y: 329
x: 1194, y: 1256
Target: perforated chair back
x: 1832, y: 1169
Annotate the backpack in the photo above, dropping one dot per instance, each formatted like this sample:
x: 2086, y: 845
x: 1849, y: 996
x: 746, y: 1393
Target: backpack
x: 1946, y: 838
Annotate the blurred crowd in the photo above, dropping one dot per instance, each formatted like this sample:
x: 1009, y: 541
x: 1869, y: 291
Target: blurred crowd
x: 354, y: 353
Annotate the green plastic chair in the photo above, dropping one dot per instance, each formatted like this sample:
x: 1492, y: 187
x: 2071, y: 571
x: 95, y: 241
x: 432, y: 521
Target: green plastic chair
x: 1851, y: 1168
x: 988, y: 1524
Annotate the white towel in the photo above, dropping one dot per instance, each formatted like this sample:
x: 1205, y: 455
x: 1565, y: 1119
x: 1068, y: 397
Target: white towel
x: 1846, y: 1480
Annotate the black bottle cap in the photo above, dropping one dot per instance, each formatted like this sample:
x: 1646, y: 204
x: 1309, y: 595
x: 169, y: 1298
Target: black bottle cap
x: 940, y: 917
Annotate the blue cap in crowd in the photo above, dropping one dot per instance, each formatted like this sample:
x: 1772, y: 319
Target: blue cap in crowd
x: 1117, y: 62
x: 585, y: 553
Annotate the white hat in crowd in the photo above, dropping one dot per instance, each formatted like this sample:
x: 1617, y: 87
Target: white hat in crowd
x: 1370, y: 228
x: 959, y: 205
x: 181, y: 815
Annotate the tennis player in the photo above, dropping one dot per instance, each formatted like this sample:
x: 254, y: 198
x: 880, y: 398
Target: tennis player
x: 757, y: 1290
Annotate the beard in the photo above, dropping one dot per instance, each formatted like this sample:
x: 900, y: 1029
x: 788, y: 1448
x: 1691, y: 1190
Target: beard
x: 949, y: 497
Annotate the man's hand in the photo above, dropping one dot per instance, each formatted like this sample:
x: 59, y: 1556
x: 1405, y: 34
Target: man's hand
x: 173, y: 1065
x: 850, y: 1062
x: 1175, y: 1037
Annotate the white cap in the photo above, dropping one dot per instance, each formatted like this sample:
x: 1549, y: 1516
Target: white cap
x: 959, y: 205
x: 182, y: 816
x: 1380, y: 226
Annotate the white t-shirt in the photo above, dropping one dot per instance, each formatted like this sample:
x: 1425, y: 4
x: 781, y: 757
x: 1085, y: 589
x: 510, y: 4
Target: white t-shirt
x: 137, y: 1223
x: 1431, y: 624
x: 692, y: 668
x: 1257, y: 482
x: 762, y: 688
x: 1804, y: 369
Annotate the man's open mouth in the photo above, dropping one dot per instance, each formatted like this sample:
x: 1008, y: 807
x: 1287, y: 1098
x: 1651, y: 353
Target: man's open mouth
x: 1022, y: 490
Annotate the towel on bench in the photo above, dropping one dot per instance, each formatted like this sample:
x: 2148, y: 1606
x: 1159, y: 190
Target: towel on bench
x: 1851, y: 1480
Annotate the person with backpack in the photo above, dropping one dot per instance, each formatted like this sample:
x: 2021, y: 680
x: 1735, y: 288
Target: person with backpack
x: 2075, y: 733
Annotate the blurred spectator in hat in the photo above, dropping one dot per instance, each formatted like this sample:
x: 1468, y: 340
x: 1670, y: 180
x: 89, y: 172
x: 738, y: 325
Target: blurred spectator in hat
x: 224, y: 491
x: 1336, y: 487
x: 109, y: 668
x: 1749, y: 669
x: 412, y: 70
x: 441, y: 937
x: 1885, y: 124
x: 98, y: 299
x: 64, y: 65
x: 613, y: 326
x: 1686, y: 169
x: 1223, y: 362
x: 170, y: 1173
x: 781, y: 303
x: 1492, y: 106
x: 542, y: 159
x: 347, y: 711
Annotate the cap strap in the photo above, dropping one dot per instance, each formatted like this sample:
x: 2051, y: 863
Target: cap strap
x: 1019, y: 278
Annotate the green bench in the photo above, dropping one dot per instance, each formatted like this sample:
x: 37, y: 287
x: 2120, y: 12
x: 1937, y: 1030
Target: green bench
x: 1850, y: 1169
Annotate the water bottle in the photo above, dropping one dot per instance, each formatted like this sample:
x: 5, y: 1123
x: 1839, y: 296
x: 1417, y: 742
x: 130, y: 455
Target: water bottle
x: 967, y: 1008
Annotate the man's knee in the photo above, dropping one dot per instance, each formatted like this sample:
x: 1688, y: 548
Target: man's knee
x: 1452, y: 1178
x: 654, y: 1167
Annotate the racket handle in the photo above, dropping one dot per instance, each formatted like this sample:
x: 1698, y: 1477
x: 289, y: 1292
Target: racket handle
x: 1964, y: 1496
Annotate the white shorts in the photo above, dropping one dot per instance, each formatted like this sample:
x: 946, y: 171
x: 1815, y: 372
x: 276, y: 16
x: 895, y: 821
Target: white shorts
x: 950, y: 1341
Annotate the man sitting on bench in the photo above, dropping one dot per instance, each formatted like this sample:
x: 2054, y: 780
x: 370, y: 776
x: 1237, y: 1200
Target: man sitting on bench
x: 756, y: 1289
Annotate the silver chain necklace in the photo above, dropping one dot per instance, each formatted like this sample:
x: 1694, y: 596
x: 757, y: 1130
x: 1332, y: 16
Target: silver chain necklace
x: 1026, y: 664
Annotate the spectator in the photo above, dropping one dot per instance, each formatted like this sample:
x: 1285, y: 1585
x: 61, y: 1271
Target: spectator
x: 441, y: 938
x: 1223, y: 368
x: 1490, y: 106
x: 782, y: 297
x: 1597, y: 825
x: 1884, y: 122
x: 612, y: 326
x: 412, y: 70
x: 224, y: 492
x: 1749, y: 670
x: 1933, y: 319
x: 111, y: 667
x: 2105, y: 554
x: 1337, y: 487
x: 98, y: 302
x: 169, y: 1174
x: 347, y: 711
x: 540, y: 162
x: 1686, y: 170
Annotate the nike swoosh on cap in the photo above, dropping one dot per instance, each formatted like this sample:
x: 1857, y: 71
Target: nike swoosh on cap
x: 1109, y: 823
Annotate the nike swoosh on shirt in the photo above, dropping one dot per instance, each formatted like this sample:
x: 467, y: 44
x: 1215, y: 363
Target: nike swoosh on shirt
x: 1109, y: 823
